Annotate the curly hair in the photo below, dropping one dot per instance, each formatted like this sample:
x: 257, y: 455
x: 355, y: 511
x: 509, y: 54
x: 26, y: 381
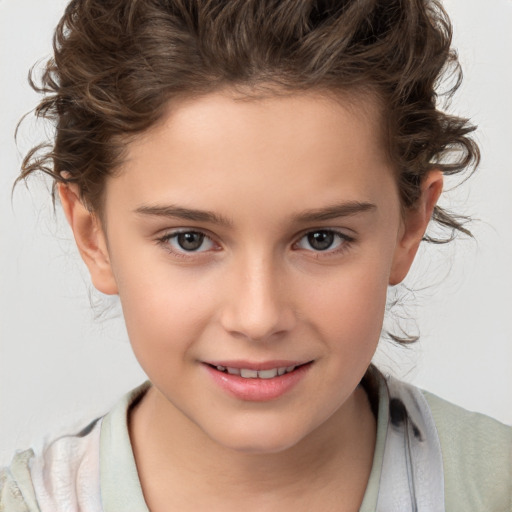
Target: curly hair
x: 118, y: 63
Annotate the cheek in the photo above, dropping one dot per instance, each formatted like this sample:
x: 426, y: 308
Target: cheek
x: 165, y: 310
x: 350, y: 306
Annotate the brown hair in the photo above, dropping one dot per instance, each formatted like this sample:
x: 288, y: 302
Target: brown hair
x: 118, y: 63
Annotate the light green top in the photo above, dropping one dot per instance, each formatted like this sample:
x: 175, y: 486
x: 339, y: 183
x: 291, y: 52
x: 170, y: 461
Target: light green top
x: 477, y: 457
x: 476, y: 450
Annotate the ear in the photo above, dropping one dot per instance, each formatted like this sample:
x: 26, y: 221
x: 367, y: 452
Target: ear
x: 90, y: 238
x: 414, y: 225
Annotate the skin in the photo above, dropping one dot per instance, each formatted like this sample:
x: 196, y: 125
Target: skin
x: 256, y: 290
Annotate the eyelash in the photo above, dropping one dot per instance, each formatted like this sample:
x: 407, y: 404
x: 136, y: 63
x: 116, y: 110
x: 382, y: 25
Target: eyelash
x: 344, y: 240
x: 164, y: 240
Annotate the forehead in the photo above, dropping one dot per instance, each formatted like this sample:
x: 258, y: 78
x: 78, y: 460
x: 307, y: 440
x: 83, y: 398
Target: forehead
x: 238, y: 112
x: 223, y: 145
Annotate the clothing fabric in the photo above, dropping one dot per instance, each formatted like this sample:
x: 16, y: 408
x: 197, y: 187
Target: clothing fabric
x: 430, y: 456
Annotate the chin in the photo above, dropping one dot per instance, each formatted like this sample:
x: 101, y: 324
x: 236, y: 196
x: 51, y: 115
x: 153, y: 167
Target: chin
x: 257, y: 439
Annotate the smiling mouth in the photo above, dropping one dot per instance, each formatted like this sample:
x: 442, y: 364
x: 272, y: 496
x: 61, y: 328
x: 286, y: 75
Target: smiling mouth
x: 257, y: 382
x: 248, y: 373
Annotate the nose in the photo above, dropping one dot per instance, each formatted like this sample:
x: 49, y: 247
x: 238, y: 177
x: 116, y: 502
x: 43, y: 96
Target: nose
x: 258, y: 303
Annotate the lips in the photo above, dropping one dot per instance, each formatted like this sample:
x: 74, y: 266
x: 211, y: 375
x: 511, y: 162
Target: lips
x: 257, y: 381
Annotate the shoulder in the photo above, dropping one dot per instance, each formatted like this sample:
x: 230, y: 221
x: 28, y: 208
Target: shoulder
x: 71, y: 472
x: 63, y: 478
x: 16, y: 489
x: 477, y: 456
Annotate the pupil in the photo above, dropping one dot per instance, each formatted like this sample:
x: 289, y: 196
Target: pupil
x: 321, y: 240
x: 190, y: 241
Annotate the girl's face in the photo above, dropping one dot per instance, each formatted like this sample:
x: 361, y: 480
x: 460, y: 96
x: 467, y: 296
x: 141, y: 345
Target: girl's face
x: 247, y: 238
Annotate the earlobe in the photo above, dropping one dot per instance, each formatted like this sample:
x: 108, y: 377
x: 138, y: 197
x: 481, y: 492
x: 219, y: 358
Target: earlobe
x: 90, y: 238
x: 415, y: 223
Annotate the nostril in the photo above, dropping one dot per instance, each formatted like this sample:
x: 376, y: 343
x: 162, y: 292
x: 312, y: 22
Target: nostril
x: 258, y: 325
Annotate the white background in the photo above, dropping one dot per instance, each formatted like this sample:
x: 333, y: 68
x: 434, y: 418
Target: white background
x: 60, y: 365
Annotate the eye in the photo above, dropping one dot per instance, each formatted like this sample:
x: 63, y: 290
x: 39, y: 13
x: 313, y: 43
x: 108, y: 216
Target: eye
x: 323, y: 240
x: 188, y: 241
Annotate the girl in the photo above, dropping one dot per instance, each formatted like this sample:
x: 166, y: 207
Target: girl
x: 250, y: 177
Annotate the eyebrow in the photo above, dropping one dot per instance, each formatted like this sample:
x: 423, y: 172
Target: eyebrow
x: 345, y: 209
x: 179, y: 212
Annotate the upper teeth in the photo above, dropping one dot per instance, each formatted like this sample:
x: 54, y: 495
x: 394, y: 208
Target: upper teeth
x: 257, y: 374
